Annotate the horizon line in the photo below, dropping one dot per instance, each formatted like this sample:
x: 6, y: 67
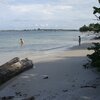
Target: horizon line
x: 40, y: 29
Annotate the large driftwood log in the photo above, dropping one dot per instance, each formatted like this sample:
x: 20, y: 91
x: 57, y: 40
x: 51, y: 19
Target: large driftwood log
x: 13, y: 68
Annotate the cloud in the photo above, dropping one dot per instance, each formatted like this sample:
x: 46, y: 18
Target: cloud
x: 78, y: 2
x: 46, y: 13
x: 39, y: 11
x: 39, y: 8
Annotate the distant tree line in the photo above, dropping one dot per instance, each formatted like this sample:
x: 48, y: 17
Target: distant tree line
x: 90, y: 27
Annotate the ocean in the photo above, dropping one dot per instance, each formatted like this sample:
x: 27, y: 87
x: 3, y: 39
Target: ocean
x: 37, y: 41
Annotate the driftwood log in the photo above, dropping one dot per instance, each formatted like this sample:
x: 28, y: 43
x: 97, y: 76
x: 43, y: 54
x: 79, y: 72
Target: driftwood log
x: 13, y: 68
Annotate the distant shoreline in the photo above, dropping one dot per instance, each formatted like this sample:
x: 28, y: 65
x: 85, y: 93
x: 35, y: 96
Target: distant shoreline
x: 41, y: 30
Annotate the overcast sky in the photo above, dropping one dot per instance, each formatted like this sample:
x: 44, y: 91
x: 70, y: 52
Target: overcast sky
x: 30, y: 14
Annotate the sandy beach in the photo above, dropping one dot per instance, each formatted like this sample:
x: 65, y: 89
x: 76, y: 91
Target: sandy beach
x: 59, y: 76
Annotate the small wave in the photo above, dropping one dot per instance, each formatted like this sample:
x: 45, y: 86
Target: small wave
x: 34, y: 48
x: 55, y: 48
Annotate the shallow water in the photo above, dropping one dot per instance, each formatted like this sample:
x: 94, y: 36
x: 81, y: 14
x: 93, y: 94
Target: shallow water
x: 37, y: 41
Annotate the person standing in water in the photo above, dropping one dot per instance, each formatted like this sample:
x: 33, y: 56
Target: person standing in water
x: 21, y: 42
x: 79, y: 40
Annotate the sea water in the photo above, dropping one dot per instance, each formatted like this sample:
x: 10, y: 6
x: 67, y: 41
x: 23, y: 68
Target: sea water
x: 36, y: 42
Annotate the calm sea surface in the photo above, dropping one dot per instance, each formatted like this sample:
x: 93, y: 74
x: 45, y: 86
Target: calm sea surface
x: 37, y: 41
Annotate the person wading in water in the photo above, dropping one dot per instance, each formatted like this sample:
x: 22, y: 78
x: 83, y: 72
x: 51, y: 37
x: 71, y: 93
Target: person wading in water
x: 79, y: 40
x: 21, y: 42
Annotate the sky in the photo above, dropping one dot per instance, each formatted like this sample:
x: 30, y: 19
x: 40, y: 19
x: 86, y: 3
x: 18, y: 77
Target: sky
x: 33, y: 14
